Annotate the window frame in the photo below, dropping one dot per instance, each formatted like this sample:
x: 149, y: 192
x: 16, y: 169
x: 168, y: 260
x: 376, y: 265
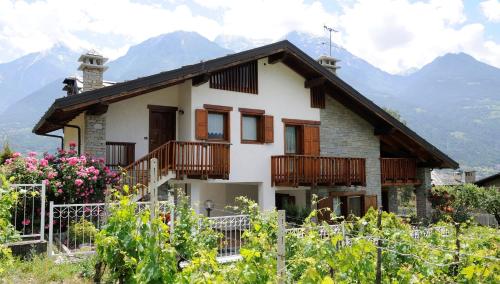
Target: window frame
x: 299, y: 124
x: 259, y: 114
x: 225, y: 111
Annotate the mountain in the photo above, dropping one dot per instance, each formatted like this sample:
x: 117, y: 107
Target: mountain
x: 26, y: 74
x: 458, y: 107
x: 163, y: 53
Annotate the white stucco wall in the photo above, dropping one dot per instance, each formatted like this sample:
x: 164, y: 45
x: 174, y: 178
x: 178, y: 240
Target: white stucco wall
x: 128, y: 120
x: 71, y: 134
x: 281, y: 93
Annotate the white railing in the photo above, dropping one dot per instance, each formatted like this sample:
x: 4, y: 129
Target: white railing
x: 324, y: 231
x: 231, y: 228
x: 28, y: 216
x: 73, y: 227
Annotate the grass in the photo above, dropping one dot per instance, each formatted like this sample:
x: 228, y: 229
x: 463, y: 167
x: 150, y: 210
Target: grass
x: 44, y: 270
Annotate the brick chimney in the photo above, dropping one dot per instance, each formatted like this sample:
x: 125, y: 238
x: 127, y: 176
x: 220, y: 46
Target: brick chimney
x: 92, y: 65
x: 329, y: 63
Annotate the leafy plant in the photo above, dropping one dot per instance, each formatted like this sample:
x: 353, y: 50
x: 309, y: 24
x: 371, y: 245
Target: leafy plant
x: 82, y: 231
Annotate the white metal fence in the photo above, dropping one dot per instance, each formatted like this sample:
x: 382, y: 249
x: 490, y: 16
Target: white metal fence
x: 231, y: 228
x: 73, y: 227
x: 28, y: 216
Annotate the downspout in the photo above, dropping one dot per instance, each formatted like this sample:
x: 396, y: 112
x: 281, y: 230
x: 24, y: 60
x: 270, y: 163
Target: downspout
x: 55, y: 136
x: 79, y: 135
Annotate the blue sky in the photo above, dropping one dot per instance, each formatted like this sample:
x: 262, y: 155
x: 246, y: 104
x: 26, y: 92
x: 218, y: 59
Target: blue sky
x: 394, y: 35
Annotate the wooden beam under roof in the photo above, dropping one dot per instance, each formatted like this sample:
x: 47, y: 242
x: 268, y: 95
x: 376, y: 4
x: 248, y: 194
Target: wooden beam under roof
x: 277, y: 57
x: 200, y: 79
x: 319, y: 81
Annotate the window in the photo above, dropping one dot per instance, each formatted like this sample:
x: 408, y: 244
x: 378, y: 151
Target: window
x: 355, y: 206
x: 301, y: 137
x: 217, y: 126
x: 212, y: 123
x: 291, y: 139
x: 256, y: 127
x: 250, y: 128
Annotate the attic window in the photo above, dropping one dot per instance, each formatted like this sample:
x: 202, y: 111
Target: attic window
x: 242, y: 78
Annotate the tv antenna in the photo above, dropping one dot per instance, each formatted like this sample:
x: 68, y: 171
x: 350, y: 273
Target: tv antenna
x: 330, y: 30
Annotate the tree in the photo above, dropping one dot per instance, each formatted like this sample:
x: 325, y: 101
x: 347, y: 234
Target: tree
x: 6, y: 153
x: 490, y: 202
x: 394, y: 113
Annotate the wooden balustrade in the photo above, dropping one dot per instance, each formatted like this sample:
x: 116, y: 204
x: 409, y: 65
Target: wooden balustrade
x: 200, y: 160
x: 398, y: 171
x: 296, y: 170
x: 119, y: 154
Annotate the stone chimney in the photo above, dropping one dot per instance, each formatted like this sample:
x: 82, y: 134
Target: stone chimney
x: 92, y: 65
x: 470, y: 176
x: 329, y: 63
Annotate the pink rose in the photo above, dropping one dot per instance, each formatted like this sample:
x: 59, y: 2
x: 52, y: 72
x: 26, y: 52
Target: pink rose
x: 60, y: 191
x: 32, y: 154
x: 73, y: 161
x: 44, y: 162
x: 26, y: 222
x: 78, y: 182
x: 72, y: 143
x: 46, y: 181
x: 16, y: 154
x: 8, y: 161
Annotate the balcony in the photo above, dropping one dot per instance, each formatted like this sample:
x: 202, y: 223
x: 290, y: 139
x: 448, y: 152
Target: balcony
x: 300, y: 170
x: 196, y: 160
x: 398, y: 171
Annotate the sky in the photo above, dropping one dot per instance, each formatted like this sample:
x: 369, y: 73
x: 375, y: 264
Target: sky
x: 394, y: 35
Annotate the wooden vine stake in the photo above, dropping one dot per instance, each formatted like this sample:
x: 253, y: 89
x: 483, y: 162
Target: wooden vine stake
x: 153, y: 186
x: 281, y: 268
x: 378, y: 279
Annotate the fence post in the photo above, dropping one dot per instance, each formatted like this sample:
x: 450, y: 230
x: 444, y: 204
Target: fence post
x: 456, y: 258
x: 172, y: 216
x: 281, y: 268
x: 42, y: 213
x: 378, y: 278
x: 153, y: 186
x: 51, y: 229
x: 344, y: 240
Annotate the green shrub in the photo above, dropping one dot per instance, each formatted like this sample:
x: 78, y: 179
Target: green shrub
x: 82, y: 231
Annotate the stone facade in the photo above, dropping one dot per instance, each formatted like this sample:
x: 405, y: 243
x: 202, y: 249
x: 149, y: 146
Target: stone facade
x: 92, y: 78
x: 95, y: 135
x: 392, y: 199
x: 345, y: 134
x: 422, y: 191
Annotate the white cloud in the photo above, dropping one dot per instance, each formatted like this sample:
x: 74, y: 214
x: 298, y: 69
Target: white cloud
x: 491, y: 9
x: 32, y: 26
x: 270, y: 19
x: 397, y: 35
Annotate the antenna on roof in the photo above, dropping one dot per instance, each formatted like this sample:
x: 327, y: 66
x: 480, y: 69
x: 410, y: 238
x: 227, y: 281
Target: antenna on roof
x: 330, y: 30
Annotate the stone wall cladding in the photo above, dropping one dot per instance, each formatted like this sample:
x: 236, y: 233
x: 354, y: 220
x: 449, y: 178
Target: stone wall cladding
x: 345, y: 134
x: 92, y: 79
x: 422, y: 191
x: 95, y: 135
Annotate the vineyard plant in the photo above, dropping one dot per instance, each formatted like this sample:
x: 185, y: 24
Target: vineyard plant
x: 139, y: 249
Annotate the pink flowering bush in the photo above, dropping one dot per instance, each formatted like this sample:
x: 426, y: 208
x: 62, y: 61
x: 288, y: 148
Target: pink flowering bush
x: 69, y: 178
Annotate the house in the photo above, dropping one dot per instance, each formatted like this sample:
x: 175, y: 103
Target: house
x: 269, y: 123
x: 490, y: 181
x: 441, y: 178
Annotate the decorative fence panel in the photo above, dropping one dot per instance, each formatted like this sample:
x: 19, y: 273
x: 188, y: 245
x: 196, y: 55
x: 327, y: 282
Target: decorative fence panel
x: 231, y: 228
x: 28, y: 216
x: 73, y: 227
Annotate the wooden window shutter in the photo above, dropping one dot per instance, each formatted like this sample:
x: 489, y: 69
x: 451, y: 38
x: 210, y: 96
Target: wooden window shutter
x: 370, y: 201
x: 311, y: 140
x: 268, y: 128
x: 201, y: 130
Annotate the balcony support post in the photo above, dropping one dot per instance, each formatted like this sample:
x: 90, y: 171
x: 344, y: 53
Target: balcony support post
x: 267, y: 196
x: 422, y: 192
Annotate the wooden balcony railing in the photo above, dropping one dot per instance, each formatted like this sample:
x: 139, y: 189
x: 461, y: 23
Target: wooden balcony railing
x: 199, y: 160
x: 398, y: 171
x: 119, y: 154
x: 297, y: 170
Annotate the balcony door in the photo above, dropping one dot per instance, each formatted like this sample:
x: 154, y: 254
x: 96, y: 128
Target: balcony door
x: 162, y: 124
